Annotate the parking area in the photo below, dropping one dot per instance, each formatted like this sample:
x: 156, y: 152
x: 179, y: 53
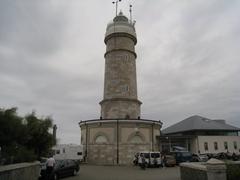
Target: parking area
x: 93, y: 172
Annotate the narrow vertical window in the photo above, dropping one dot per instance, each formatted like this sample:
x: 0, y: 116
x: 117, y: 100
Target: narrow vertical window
x: 225, y: 145
x: 206, y: 146
x: 235, y: 145
x: 215, y: 146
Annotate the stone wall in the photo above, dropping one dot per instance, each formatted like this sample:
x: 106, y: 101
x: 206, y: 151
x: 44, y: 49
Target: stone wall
x: 213, y: 169
x: 190, y: 170
x: 117, y: 141
x: 108, y: 154
x: 120, y: 109
x: 21, y: 171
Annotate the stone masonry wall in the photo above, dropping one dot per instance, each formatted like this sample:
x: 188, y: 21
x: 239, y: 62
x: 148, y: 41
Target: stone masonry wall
x: 120, y: 109
x: 21, y: 171
x: 193, y: 173
x: 119, y: 147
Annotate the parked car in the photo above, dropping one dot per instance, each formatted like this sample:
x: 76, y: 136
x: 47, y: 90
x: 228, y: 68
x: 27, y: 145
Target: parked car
x: 62, y: 168
x: 199, y: 158
x: 182, y: 156
x: 170, y: 161
x: 43, y: 162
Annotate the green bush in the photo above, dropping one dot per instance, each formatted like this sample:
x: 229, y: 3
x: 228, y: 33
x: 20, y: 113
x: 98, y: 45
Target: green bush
x: 25, y: 155
x: 233, y: 171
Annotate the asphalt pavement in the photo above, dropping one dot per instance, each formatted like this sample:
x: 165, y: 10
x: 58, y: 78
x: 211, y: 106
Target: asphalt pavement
x: 94, y: 172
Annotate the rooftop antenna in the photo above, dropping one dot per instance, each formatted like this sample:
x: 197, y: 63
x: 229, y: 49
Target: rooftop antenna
x: 116, y: 3
x: 130, y: 11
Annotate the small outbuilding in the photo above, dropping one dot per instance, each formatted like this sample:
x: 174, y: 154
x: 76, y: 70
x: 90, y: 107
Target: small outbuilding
x: 201, y: 135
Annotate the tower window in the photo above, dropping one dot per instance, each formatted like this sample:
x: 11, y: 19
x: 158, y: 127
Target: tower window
x: 124, y: 88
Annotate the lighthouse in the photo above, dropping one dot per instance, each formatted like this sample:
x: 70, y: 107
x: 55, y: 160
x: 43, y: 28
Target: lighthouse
x: 120, y: 132
x: 120, y: 84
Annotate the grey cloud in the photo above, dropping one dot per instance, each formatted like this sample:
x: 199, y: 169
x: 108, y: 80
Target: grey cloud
x: 51, y: 59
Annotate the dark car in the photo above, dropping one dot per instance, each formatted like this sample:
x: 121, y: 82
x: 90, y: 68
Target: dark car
x: 62, y: 168
x: 170, y: 161
x: 199, y: 158
x: 182, y: 156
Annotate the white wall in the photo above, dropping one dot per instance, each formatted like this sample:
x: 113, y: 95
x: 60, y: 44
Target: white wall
x: 220, y: 141
x: 68, y: 151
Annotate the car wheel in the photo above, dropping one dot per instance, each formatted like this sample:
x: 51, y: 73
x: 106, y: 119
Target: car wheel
x: 55, y: 176
x: 75, y: 172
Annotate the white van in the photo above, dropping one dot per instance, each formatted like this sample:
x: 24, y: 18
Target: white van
x: 68, y: 151
x: 152, y: 159
x: 146, y: 155
x: 155, y: 159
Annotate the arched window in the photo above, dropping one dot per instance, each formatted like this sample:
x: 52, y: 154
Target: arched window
x: 136, y: 139
x: 101, y: 139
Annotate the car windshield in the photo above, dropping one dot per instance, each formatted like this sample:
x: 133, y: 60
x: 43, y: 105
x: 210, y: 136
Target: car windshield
x: 59, y: 163
x: 186, y: 154
x: 43, y: 160
x: 146, y: 155
x: 170, y: 157
x: 155, y: 155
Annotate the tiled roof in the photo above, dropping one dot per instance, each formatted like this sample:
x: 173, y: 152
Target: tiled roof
x: 199, y: 123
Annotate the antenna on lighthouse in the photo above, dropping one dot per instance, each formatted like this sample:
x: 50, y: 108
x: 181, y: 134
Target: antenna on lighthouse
x: 130, y: 11
x: 116, y: 3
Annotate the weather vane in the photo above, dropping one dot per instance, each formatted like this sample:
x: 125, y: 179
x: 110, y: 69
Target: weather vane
x: 116, y: 3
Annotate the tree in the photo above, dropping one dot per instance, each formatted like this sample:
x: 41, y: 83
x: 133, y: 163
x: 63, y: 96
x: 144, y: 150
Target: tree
x: 39, y: 138
x: 24, y: 138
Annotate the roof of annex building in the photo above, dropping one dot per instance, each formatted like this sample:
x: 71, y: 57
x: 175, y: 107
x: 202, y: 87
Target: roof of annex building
x: 198, y: 123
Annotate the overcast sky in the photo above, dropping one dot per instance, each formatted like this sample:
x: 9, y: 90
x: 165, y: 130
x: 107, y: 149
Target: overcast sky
x: 51, y: 59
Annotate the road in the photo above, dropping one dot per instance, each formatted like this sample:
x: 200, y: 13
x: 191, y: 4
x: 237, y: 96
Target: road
x: 92, y: 172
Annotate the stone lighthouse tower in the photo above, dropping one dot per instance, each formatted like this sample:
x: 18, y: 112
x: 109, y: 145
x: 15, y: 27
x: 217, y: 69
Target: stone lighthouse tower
x: 120, y: 132
x: 120, y: 83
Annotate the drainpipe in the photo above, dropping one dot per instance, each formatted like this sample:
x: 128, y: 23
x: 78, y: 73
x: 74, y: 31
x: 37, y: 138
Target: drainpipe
x: 152, y: 138
x: 117, y: 144
x: 86, y: 150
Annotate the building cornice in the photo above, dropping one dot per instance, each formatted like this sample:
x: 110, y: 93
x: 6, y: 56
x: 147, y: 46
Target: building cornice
x: 120, y: 99
x: 146, y: 121
x: 120, y: 49
x: 120, y: 34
